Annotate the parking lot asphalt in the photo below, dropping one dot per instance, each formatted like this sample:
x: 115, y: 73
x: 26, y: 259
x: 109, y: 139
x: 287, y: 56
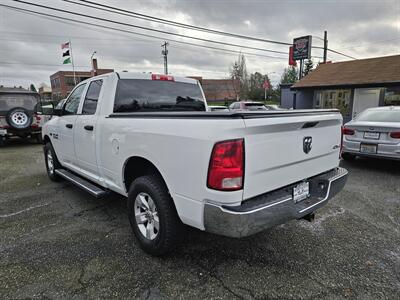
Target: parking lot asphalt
x: 56, y: 241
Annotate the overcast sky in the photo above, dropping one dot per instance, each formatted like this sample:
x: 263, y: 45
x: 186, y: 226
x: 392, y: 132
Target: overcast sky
x: 30, y: 44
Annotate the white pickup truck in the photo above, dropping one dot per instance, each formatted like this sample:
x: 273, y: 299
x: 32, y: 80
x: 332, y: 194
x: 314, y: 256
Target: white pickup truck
x: 151, y: 138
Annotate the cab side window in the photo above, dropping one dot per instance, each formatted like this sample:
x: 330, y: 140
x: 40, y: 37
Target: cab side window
x: 71, y: 107
x: 92, y: 96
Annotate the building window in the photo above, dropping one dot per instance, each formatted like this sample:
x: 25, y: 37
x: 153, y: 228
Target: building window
x: 392, y: 96
x: 55, y: 83
x: 69, y: 81
x: 339, y: 99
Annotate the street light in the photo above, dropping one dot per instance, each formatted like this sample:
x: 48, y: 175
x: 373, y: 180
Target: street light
x: 91, y: 57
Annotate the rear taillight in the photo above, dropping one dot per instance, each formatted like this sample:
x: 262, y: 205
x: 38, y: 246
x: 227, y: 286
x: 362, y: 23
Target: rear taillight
x: 226, y: 170
x: 162, y: 77
x: 347, y: 131
x: 395, y: 135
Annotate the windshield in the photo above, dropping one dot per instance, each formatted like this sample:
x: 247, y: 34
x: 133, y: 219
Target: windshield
x: 138, y: 95
x: 380, y: 115
x: 255, y: 106
x: 9, y: 101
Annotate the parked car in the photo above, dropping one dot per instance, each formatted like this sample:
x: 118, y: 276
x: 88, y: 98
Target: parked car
x: 150, y: 138
x: 374, y: 133
x: 247, y: 105
x: 17, y: 114
x: 274, y: 107
x: 218, y: 108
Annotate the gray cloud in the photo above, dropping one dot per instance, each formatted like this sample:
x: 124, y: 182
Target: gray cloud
x: 30, y: 45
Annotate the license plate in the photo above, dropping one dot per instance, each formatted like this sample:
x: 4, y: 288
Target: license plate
x: 3, y: 131
x: 368, y: 148
x: 371, y: 135
x: 301, y: 192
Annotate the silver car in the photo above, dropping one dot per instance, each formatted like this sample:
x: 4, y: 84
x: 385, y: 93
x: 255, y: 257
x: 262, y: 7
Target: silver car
x: 375, y: 133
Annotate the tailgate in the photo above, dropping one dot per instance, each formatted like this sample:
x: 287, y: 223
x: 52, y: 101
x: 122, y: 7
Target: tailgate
x: 275, y: 154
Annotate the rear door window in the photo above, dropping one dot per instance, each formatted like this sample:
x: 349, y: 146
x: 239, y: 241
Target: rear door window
x: 139, y: 95
x: 92, y: 96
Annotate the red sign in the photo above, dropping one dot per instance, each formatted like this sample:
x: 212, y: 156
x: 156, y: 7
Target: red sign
x: 266, y: 85
x: 292, y: 62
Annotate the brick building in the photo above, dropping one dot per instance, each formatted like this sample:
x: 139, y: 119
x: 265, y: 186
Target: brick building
x: 62, y: 82
x: 219, y: 89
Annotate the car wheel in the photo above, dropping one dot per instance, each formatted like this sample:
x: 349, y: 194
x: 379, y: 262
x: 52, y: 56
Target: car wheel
x: 348, y: 156
x: 52, y: 162
x: 2, y: 141
x: 153, y: 216
x: 19, y: 118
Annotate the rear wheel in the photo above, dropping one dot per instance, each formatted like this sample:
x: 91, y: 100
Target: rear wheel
x: 52, y: 162
x: 153, y: 216
x: 348, y: 156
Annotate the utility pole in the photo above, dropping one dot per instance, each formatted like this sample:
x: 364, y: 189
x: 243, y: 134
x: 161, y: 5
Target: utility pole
x: 164, y: 52
x: 325, y: 46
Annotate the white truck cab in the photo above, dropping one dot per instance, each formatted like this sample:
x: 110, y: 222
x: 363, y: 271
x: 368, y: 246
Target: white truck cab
x: 151, y: 138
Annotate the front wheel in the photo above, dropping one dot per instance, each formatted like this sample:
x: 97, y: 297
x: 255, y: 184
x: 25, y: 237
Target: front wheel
x: 153, y: 216
x: 52, y: 162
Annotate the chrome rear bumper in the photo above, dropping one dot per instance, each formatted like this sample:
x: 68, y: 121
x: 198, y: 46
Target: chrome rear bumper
x: 274, y: 208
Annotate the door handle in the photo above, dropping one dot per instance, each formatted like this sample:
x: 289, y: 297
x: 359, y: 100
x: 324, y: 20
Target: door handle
x: 69, y: 125
x: 89, y: 127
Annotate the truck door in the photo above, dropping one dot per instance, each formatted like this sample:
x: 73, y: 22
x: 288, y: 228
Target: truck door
x: 63, y: 136
x: 85, y: 131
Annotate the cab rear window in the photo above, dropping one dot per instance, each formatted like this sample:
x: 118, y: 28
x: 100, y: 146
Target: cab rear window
x: 139, y: 95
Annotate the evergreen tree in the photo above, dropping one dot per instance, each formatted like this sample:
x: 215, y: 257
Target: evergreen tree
x: 289, y: 75
x: 32, y: 87
x: 308, y: 67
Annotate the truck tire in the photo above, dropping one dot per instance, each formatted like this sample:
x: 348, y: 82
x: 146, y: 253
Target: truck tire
x: 348, y: 156
x: 19, y: 118
x: 153, y: 216
x: 52, y: 162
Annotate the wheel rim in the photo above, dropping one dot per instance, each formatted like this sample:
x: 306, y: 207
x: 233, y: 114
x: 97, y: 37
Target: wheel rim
x: 50, y: 163
x: 19, y: 118
x: 146, y: 216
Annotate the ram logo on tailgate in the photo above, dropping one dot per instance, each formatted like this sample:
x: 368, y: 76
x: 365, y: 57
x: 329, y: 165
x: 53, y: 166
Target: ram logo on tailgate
x: 307, y: 141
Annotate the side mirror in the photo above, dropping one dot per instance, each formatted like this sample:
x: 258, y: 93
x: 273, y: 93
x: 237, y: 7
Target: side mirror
x: 48, y: 109
x: 57, y: 112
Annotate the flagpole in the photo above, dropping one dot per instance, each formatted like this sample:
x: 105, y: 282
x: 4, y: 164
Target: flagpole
x: 72, y: 60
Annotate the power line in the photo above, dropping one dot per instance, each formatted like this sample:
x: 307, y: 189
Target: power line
x: 22, y: 10
x: 146, y: 28
x: 337, y: 52
x: 133, y: 14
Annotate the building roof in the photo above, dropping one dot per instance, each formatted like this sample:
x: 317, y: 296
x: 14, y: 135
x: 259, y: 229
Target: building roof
x: 16, y: 90
x: 372, y: 71
x: 81, y: 73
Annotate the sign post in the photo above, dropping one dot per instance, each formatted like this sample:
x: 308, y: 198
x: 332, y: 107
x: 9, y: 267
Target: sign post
x: 266, y: 86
